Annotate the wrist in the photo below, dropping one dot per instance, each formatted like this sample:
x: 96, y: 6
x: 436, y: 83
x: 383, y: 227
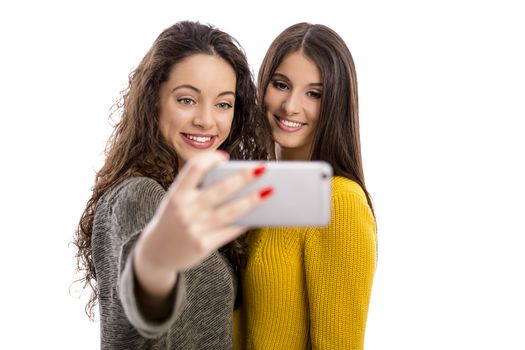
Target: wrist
x: 154, y: 280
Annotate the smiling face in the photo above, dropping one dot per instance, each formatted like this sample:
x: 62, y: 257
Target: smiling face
x: 196, y: 105
x: 293, y: 102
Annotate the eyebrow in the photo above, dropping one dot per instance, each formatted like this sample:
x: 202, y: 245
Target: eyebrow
x: 284, y: 77
x: 191, y: 87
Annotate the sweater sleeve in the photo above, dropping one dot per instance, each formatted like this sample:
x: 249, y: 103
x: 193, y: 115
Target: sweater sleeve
x: 340, y: 263
x: 133, y: 208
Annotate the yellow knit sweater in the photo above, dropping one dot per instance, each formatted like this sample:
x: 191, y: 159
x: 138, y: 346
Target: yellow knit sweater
x: 310, y: 287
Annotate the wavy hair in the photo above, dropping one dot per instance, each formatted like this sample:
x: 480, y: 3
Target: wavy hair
x: 337, y: 138
x: 136, y: 146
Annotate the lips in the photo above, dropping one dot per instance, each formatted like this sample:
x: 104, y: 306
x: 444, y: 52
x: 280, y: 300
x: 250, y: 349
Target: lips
x: 199, y: 141
x: 288, y: 125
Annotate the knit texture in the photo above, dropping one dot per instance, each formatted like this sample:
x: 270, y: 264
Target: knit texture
x: 203, y: 299
x: 310, y: 287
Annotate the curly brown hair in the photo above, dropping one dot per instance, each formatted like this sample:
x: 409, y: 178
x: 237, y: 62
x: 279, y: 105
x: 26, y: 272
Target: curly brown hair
x: 136, y: 146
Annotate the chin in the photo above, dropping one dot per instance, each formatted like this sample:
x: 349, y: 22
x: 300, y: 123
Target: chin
x: 288, y: 145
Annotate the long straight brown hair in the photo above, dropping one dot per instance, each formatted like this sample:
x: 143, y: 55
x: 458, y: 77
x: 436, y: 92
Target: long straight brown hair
x: 337, y: 139
x: 136, y: 146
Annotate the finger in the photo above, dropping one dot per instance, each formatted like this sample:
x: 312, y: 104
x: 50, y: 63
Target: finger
x: 233, y: 210
x: 192, y: 173
x: 225, y: 188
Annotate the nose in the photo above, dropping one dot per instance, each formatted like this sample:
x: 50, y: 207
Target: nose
x: 292, y: 104
x: 204, y: 118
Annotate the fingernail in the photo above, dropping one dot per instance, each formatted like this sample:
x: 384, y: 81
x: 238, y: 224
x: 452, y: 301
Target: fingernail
x: 266, y: 192
x: 259, y: 170
x: 224, y: 154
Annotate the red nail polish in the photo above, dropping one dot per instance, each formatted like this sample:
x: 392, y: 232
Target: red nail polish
x: 266, y: 192
x: 259, y: 170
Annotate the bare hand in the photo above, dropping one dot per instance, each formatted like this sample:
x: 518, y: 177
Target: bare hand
x: 191, y: 223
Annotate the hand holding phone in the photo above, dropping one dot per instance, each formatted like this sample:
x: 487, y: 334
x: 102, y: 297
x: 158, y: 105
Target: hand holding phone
x: 301, y: 192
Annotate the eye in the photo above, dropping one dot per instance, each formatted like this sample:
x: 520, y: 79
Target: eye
x: 224, y: 105
x: 314, y: 94
x: 186, y: 101
x: 279, y: 85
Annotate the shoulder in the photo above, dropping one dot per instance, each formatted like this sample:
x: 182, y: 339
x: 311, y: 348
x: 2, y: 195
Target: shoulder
x: 348, y: 193
x: 343, y: 186
x: 131, y: 196
x: 133, y: 188
x: 349, y: 205
x: 352, y: 225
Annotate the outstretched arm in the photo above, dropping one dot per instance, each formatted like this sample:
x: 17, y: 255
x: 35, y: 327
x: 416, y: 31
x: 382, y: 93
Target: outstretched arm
x: 188, y: 226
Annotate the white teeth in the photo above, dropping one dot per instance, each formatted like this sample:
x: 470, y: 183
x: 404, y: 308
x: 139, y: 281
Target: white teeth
x: 289, y: 123
x: 199, y: 138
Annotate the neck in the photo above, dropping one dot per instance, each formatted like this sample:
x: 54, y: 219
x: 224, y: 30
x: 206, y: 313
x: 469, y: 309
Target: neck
x: 302, y: 153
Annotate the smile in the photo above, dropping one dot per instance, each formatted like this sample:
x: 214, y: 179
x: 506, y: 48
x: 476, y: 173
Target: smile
x: 198, y: 141
x: 288, y: 125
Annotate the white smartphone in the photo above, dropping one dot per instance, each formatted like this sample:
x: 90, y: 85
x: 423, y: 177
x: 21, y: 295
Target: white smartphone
x: 301, y: 192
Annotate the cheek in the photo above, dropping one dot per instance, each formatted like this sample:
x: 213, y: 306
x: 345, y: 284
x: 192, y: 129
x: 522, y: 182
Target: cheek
x: 270, y: 106
x: 176, y: 119
x: 270, y: 99
x: 314, y: 111
x: 226, y: 125
x: 167, y: 113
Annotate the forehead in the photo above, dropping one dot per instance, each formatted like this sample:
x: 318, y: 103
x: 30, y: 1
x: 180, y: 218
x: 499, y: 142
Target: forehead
x: 203, y: 71
x: 297, y: 66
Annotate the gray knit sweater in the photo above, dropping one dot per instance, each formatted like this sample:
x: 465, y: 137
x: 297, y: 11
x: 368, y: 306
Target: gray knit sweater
x: 202, y: 305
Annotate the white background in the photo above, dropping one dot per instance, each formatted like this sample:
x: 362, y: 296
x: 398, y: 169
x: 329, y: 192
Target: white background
x: 442, y: 97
